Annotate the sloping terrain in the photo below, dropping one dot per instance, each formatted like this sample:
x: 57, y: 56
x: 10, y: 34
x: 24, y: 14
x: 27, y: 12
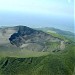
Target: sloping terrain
x: 57, y: 32
x: 5, y: 34
x: 32, y: 39
x: 28, y: 38
x: 53, y: 64
x: 25, y: 56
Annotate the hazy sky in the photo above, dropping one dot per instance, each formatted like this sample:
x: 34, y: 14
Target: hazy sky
x: 40, y: 13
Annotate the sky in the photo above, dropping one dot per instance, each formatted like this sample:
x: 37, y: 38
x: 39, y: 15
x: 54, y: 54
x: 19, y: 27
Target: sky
x: 38, y: 13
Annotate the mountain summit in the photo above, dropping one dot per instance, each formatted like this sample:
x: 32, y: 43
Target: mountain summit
x: 35, y: 40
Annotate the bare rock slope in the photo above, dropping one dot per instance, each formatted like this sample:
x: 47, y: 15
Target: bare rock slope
x: 36, y: 40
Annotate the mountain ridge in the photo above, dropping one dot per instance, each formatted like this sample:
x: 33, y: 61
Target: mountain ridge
x: 28, y: 37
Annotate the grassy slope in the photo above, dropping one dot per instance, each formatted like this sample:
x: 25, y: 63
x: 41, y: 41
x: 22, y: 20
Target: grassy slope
x: 22, y: 53
x: 59, y: 36
x: 57, y: 32
x: 53, y: 64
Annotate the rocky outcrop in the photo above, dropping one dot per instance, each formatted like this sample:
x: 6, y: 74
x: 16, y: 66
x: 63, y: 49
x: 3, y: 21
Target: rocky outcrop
x: 31, y: 39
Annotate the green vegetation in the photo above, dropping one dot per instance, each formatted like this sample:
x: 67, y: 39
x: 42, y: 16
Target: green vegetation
x: 59, y: 36
x: 59, y: 33
x: 52, y: 64
x: 52, y: 46
x: 22, y: 53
